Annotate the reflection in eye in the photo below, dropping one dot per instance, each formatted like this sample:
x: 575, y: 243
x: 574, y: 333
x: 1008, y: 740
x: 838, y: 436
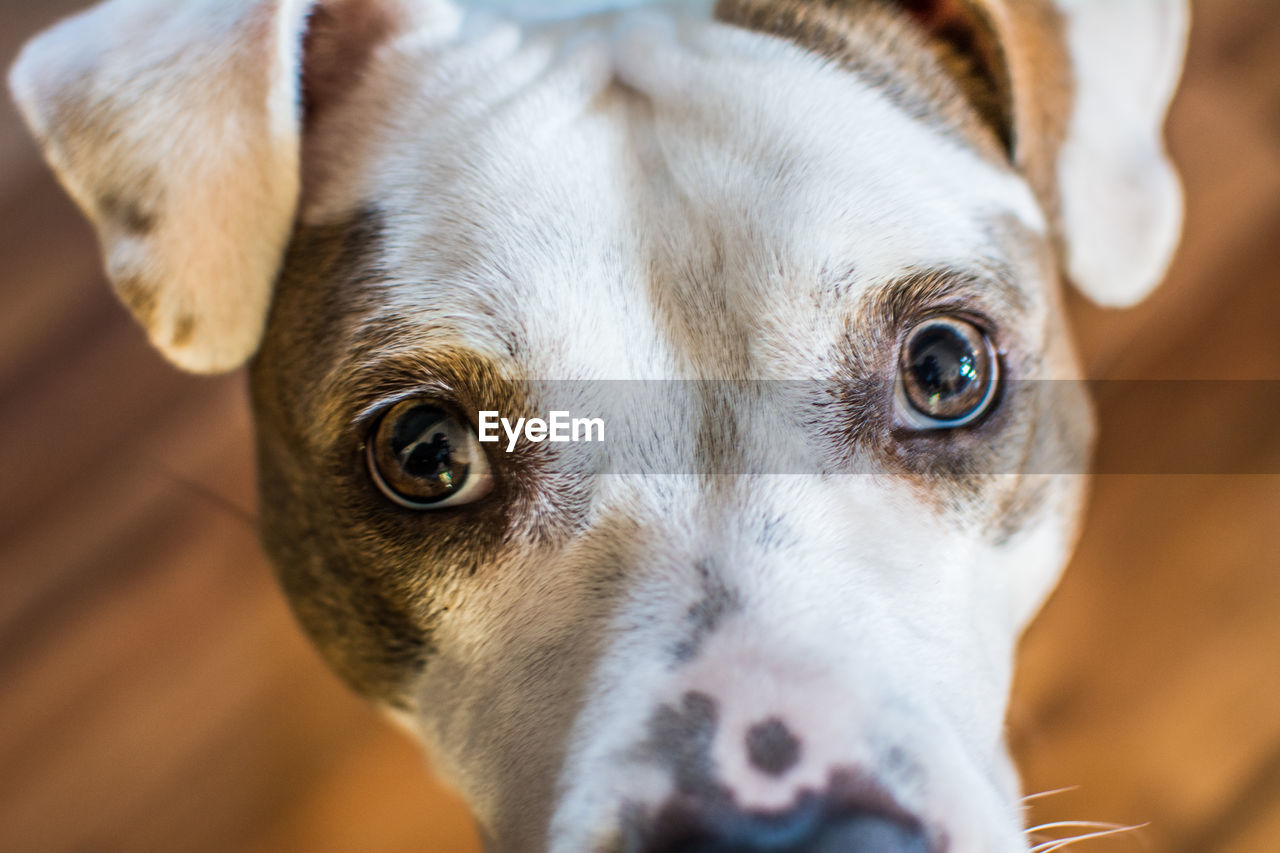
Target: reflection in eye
x: 423, y: 457
x: 948, y: 374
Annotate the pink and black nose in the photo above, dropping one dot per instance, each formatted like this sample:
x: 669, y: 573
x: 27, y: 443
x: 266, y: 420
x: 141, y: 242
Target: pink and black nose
x: 812, y: 827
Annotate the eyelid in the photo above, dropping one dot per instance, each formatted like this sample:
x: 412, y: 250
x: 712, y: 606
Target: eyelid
x: 368, y: 416
x: 465, y: 379
x: 942, y: 311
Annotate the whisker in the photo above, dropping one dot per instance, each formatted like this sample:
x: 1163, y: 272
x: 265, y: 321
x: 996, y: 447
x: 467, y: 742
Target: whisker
x: 1030, y: 798
x: 1062, y: 843
x: 1075, y: 824
x: 210, y: 496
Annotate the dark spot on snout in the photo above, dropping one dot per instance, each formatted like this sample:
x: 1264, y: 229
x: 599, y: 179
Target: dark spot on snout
x: 128, y: 213
x: 680, y: 739
x: 706, y: 614
x: 772, y: 748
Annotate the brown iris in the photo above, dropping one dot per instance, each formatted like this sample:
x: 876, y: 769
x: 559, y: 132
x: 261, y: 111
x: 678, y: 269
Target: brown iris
x: 948, y: 373
x: 422, y: 456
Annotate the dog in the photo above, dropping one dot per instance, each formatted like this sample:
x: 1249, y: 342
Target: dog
x: 746, y: 620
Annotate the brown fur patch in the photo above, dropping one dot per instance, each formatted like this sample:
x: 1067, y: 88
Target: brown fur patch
x: 340, y: 42
x: 128, y: 213
x: 1040, y: 70
x: 372, y: 621
x: 371, y: 581
x: 139, y: 296
x: 184, y: 330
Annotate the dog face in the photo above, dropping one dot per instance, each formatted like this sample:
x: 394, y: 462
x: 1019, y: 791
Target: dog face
x: 802, y: 259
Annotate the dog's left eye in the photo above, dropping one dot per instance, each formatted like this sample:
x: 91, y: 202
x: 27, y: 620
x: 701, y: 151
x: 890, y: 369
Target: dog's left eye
x: 423, y: 457
x: 948, y: 374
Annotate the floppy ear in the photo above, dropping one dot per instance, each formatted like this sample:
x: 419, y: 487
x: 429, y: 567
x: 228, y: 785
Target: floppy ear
x: 176, y: 126
x: 1122, y: 204
x: 1082, y: 88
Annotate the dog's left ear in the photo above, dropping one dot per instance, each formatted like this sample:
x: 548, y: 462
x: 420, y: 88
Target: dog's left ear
x: 177, y: 125
x: 1080, y: 92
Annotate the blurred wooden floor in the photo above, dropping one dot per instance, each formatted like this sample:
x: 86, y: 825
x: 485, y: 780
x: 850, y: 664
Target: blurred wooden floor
x: 155, y: 695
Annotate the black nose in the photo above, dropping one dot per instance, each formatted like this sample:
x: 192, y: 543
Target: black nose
x: 807, y: 829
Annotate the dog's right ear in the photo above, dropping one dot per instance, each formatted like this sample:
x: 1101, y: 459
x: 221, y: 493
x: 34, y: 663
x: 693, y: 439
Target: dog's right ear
x: 1081, y: 89
x: 177, y: 128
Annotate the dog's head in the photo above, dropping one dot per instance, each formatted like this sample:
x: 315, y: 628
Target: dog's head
x: 805, y: 255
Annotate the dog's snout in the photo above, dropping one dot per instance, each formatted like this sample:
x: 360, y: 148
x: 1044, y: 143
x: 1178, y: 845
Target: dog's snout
x: 810, y: 828
x: 853, y: 813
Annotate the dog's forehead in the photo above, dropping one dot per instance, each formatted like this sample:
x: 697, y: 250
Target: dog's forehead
x: 623, y: 180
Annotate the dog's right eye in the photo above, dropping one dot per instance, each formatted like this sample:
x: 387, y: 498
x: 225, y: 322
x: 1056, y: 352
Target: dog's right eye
x: 948, y: 374
x: 423, y: 457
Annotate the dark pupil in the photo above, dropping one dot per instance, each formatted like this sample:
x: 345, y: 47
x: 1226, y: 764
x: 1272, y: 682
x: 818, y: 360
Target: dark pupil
x: 942, y: 363
x: 421, y: 444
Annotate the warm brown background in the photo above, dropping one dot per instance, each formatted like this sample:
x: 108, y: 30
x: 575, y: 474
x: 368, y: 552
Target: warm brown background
x: 155, y: 695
